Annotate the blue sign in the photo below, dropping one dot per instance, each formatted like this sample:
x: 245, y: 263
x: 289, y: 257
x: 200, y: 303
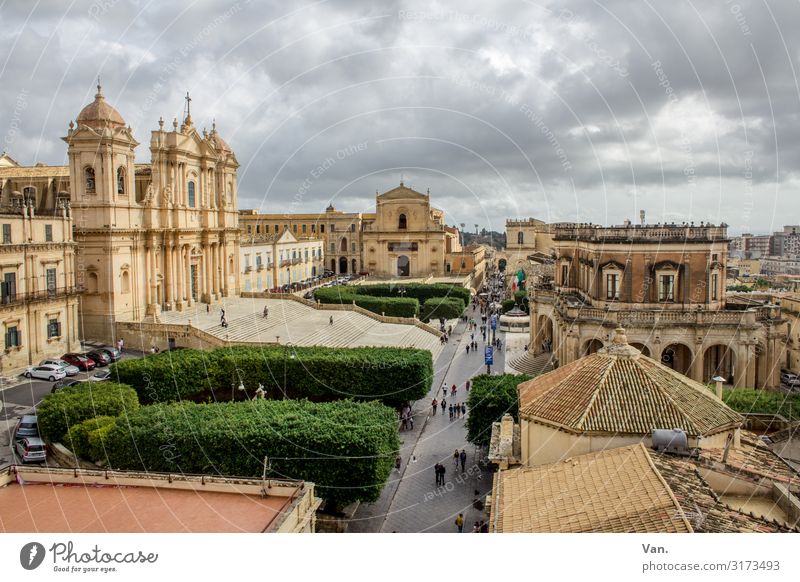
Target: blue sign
x: 488, y: 355
x: 494, y: 322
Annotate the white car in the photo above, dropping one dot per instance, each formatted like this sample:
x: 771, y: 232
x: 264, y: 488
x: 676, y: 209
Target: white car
x: 69, y: 369
x: 49, y: 372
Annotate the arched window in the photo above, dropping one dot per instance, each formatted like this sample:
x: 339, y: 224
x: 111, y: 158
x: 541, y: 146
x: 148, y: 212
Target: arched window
x: 29, y: 194
x: 190, y: 192
x: 520, y: 237
x: 91, y: 282
x: 120, y: 180
x: 88, y: 180
x: 402, y: 223
x: 126, y: 282
x: 343, y: 245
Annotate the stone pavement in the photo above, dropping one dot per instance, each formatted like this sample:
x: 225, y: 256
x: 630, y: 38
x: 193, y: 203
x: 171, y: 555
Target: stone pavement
x: 411, y: 502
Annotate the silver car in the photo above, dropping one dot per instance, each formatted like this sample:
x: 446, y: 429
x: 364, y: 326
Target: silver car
x: 51, y: 373
x: 69, y: 369
x: 31, y: 450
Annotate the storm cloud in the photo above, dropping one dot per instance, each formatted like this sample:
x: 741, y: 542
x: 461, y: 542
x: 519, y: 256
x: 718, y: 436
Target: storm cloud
x: 573, y: 110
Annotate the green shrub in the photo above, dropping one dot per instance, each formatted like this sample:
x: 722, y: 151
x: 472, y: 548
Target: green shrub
x: 79, y: 440
x: 391, y: 301
x: 746, y: 400
x: 72, y: 405
x: 507, y: 305
x: 391, y: 375
x: 346, y: 448
x: 447, y: 307
x: 489, y: 398
x: 98, y: 441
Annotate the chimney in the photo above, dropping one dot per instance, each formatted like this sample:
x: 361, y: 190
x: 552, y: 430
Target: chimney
x: 641, y: 217
x: 718, y: 380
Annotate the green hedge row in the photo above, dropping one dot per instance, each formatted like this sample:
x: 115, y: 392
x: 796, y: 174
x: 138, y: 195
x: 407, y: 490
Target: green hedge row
x: 346, y: 448
x: 393, y: 306
x: 490, y: 397
x: 87, y: 439
x: 386, y: 298
x: 447, y: 307
x: 391, y: 375
x: 74, y: 404
x: 763, y: 401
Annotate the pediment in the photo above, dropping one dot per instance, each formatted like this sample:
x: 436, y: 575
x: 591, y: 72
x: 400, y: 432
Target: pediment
x: 402, y: 193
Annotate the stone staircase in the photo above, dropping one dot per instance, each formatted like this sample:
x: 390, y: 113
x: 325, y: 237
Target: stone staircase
x: 527, y: 363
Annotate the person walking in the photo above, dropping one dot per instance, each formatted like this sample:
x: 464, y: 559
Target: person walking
x: 463, y: 410
x: 455, y: 458
x: 467, y: 349
x: 467, y: 385
x: 476, y: 528
x: 397, y: 463
x: 434, y: 405
x: 453, y: 390
x: 460, y: 523
x: 403, y: 420
x: 450, y: 408
x: 438, y: 478
x: 444, y: 405
x: 410, y: 420
x: 463, y: 458
x: 330, y: 321
x: 442, y: 471
x: 266, y: 312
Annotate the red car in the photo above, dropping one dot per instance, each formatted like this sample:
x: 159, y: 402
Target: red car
x: 79, y: 360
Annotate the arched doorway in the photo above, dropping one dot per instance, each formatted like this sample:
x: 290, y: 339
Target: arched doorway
x: 592, y: 347
x: 678, y: 357
x: 313, y: 271
x: 343, y: 245
x: 544, y: 334
x: 333, y: 265
x: 719, y: 360
x: 642, y: 348
x: 342, y: 265
x: 354, y: 266
x: 403, y: 266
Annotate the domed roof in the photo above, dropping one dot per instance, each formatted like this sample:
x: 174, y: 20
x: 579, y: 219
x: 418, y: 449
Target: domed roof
x: 99, y: 114
x: 217, y: 141
x: 619, y: 390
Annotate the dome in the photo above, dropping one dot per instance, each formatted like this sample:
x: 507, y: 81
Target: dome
x: 620, y: 391
x: 99, y: 114
x: 219, y: 144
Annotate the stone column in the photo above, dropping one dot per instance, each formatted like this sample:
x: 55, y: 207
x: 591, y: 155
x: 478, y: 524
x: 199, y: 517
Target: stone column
x: 168, y: 296
x: 225, y: 269
x: 207, y: 284
x: 188, y: 271
x: 148, y: 275
x: 696, y: 372
x: 215, y: 269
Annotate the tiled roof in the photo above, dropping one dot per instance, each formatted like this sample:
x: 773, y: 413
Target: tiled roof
x: 754, y: 460
x: 618, y: 390
x: 702, y: 507
x: 616, y: 490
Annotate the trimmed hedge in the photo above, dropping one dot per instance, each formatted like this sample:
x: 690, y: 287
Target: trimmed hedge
x: 85, y: 439
x: 489, y: 398
x: 392, y: 375
x: 346, y: 448
x: 393, y: 306
x: 447, y: 307
x: 391, y: 303
x: 746, y: 400
x: 507, y: 305
x: 74, y: 404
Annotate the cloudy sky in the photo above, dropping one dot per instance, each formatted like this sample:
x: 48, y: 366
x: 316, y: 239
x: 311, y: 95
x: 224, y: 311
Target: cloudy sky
x: 568, y: 110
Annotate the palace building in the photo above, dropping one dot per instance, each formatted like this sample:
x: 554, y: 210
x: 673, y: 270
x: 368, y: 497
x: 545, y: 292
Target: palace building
x: 150, y: 237
x: 404, y: 237
x: 666, y: 285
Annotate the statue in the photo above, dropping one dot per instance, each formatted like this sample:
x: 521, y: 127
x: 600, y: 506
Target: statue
x: 168, y: 194
x: 148, y: 196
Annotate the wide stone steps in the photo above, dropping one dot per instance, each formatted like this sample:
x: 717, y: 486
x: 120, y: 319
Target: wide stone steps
x: 347, y: 328
x: 532, y: 365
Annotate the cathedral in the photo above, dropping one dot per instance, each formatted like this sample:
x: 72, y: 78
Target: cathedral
x: 149, y: 237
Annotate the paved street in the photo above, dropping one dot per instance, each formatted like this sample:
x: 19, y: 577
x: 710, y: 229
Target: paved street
x: 411, y: 502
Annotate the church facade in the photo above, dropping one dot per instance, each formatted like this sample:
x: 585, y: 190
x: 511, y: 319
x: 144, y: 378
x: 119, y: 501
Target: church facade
x: 148, y: 237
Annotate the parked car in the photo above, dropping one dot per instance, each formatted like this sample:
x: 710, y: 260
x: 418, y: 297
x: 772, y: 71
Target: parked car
x: 790, y: 379
x: 113, y: 353
x: 27, y: 426
x: 100, y: 376
x: 99, y: 357
x: 69, y: 369
x: 79, y: 360
x: 49, y: 372
x: 31, y: 450
x: 65, y: 384
x: 308, y: 295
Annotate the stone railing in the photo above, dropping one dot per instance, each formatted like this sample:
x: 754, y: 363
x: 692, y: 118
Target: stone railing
x: 648, y: 232
x: 143, y: 335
